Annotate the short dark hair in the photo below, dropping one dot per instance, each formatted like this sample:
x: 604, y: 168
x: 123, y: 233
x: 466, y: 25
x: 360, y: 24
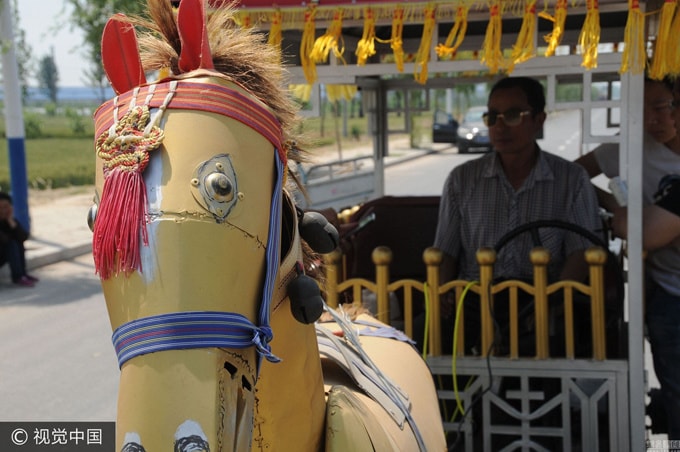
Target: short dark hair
x: 530, y: 86
x: 667, y: 82
x: 5, y: 197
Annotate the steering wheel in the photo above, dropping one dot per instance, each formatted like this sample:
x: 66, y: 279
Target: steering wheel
x: 614, y: 292
x: 614, y: 282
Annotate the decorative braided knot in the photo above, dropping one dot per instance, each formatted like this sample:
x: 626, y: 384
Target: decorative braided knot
x: 120, y: 224
x: 127, y: 144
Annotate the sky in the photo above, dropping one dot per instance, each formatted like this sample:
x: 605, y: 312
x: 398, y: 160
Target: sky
x: 45, y: 24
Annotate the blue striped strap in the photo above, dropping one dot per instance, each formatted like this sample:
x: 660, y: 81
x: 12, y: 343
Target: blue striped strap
x: 193, y: 329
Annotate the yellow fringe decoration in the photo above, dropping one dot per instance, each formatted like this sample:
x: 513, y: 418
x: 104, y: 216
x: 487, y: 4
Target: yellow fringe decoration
x: 329, y: 41
x: 275, y: 36
x: 396, y: 42
x: 660, y: 64
x: 423, y: 54
x: 589, y: 38
x: 307, y: 44
x: 449, y: 48
x: 244, y: 20
x: 555, y: 37
x: 634, y: 56
x: 302, y: 92
x: 525, y: 47
x: 673, y: 51
x: 492, y: 55
x: 338, y: 92
x: 366, y: 45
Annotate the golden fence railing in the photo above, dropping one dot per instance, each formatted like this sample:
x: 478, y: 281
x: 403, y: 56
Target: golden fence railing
x: 486, y: 289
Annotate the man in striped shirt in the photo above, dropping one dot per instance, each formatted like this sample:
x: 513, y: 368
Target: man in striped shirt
x: 517, y: 183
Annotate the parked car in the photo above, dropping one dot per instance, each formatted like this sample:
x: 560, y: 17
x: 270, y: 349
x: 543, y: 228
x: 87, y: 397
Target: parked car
x: 472, y: 132
x: 444, y: 128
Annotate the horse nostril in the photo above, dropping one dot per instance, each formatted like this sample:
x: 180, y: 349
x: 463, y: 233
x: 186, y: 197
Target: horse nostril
x: 219, y: 187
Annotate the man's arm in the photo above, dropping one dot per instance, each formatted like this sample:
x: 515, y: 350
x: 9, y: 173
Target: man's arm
x: 589, y: 162
x: 592, y: 166
x: 660, y: 227
x: 575, y: 267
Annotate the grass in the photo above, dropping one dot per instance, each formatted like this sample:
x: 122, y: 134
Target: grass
x: 60, y: 153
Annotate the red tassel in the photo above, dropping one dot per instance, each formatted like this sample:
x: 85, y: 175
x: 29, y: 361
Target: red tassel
x: 122, y: 213
x: 121, y: 220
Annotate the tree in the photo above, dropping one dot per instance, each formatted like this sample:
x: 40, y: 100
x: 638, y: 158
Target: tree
x: 48, y: 76
x: 91, y: 17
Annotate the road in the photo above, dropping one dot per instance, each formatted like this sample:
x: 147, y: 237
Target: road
x: 56, y: 358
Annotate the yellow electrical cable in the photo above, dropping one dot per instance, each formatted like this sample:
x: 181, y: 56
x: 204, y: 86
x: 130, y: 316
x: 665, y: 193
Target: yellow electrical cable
x: 426, y: 291
x: 459, y: 404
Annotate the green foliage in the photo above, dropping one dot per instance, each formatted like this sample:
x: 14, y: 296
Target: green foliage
x: 77, y: 122
x: 32, y: 126
x: 91, y: 16
x: 48, y: 77
x: 355, y: 131
x: 54, y: 163
x: 51, y: 109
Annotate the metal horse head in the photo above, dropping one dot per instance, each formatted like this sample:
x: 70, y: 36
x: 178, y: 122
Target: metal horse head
x: 187, y: 234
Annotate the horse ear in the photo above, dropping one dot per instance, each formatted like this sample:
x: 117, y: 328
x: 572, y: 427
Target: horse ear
x: 193, y: 35
x: 120, y: 55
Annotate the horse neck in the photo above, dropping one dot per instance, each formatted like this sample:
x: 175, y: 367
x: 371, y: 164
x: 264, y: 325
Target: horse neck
x: 289, y: 396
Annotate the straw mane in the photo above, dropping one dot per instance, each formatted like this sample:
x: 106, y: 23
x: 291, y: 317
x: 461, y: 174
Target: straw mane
x: 240, y: 54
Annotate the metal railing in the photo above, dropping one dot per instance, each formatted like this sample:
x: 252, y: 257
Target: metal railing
x: 433, y: 290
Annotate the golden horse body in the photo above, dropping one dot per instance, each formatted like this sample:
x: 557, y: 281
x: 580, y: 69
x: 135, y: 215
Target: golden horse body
x: 197, y: 244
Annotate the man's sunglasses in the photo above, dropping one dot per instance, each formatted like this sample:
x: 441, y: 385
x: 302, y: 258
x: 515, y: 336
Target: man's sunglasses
x: 512, y: 117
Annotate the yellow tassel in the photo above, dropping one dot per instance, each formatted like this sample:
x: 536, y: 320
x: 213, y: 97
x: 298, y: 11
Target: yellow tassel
x: 338, y: 92
x: 457, y: 33
x: 366, y: 45
x: 244, y: 20
x: 396, y: 42
x: 555, y: 37
x: 275, y: 38
x: 492, y: 55
x: 589, y: 38
x: 302, y: 92
x: 331, y: 40
x: 525, y: 47
x: 673, y: 51
x: 659, y: 67
x: 634, y: 56
x: 307, y: 44
x: 423, y: 54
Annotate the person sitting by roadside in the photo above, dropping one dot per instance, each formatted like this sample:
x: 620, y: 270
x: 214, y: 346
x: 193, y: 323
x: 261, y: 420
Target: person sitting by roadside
x: 485, y: 198
x: 12, y: 238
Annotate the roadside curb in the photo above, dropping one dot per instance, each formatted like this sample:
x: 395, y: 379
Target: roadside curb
x: 41, y: 258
